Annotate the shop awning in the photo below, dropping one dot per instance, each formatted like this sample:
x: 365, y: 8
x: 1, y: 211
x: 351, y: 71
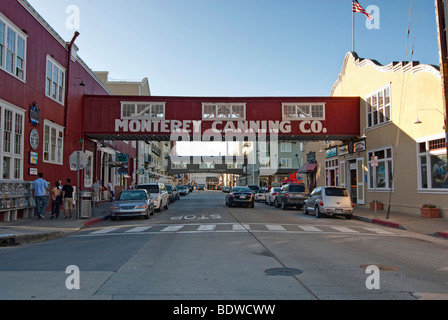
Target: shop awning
x: 310, y: 167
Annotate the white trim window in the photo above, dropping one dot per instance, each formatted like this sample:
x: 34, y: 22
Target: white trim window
x: 146, y: 110
x: 53, y: 143
x: 286, y: 163
x: 303, y: 111
x: 432, y: 165
x: 378, y: 106
x: 55, y: 81
x: 286, y: 147
x: 382, y: 175
x: 11, y: 141
x: 13, y: 46
x: 224, y: 111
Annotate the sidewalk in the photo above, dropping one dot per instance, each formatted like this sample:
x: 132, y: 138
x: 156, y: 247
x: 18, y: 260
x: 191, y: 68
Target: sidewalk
x: 27, y: 231
x: 404, y: 221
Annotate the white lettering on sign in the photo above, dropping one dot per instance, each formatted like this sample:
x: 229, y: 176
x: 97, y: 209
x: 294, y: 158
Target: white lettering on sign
x: 194, y: 127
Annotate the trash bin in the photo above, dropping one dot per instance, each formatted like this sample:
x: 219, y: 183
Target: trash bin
x: 85, y: 204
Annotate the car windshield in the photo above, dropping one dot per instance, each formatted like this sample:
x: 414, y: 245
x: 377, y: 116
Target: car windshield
x: 297, y: 188
x: 336, y: 192
x: 254, y: 187
x: 169, y: 188
x: 134, y: 195
x: 180, y: 187
x: 241, y: 189
x: 150, y: 188
x: 276, y: 189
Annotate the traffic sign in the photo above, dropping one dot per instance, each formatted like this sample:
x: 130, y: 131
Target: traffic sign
x: 78, y: 161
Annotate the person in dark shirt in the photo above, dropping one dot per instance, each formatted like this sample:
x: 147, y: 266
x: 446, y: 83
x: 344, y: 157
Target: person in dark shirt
x: 67, y: 198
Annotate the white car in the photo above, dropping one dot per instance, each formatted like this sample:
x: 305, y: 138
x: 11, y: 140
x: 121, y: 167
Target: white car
x: 159, y: 194
x: 272, y: 195
x: 331, y: 201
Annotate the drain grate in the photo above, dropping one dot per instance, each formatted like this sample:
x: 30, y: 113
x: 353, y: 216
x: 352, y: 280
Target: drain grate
x: 285, y: 272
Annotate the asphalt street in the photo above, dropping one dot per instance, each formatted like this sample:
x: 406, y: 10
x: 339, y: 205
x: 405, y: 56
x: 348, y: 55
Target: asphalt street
x: 199, y: 249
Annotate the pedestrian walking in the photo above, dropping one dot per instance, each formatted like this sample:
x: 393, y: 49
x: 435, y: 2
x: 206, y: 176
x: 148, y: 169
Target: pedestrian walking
x: 56, y: 197
x: 67, y: 198
x: 111, y: 191
x: 96, y: 188
x: 40, y: 187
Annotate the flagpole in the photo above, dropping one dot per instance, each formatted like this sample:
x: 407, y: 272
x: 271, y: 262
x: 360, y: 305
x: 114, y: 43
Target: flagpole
x: 353, y: 31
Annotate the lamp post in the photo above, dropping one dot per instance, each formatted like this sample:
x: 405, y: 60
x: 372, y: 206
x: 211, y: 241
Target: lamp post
x: 245, y: 153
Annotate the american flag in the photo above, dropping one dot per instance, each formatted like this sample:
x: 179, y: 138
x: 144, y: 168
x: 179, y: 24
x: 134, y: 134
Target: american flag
x: 357, y: 8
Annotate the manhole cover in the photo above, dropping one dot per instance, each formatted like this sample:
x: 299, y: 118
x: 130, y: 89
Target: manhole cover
x: 286, y: 272
x: 382, y: 268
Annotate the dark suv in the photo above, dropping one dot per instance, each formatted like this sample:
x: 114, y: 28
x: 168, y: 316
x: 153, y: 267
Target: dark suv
x: 292, y: 195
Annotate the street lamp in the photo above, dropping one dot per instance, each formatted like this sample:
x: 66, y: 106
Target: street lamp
x: 246, y: 153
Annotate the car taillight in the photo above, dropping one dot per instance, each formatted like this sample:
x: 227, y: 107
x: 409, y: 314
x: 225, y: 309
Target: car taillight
x: 321, y: 203
x: 274, y: 193
x: 231, y: 195
x: 287, y: 195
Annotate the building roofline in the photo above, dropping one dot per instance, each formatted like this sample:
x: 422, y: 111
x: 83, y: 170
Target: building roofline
x: 61, y: 41
x: 403, y: 66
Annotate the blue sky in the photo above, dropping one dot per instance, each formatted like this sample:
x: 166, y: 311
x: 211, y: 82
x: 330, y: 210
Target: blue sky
x: 240, y: 47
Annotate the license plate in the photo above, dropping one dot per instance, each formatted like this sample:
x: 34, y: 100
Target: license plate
x: 242, y: 197
x: 339, y: 210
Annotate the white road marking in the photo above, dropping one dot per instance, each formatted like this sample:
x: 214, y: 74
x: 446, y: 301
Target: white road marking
x: 172, y: 228
x: 207, y: 227
x: 138, y: 229
x: 105, y: 230
x: 241, y: 227
x: 275, y: 227
x: 345, y: 230
x: 310, y: 229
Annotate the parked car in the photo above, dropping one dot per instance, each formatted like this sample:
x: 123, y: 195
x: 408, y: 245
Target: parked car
x: 254, y: 188
x: 272, y: 195
x: 158, y: 192
x: 183, y: 191
x: 201, y: 187
x: 225, y: 189
x: 332, y: 201
x: 292, y: 195
x: 240, y: 196
x: 132, y: 203
x: 172, y: 194
x: 260, y: 196
x: 176, y: 193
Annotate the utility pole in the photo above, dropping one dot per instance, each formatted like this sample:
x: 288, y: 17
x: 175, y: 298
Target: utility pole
x: 443, y: 51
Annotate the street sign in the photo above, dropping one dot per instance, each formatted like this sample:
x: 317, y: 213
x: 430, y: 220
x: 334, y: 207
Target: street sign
x: 78, y: 161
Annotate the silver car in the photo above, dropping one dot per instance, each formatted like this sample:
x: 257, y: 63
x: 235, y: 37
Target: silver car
x: 331, y: 201
x: 132, y: 203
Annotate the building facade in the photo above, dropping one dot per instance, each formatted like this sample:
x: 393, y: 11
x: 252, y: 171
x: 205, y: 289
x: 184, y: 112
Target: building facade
x: 42, y: 86
x: 397, y: 159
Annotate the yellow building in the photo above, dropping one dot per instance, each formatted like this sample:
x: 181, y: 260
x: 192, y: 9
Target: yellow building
x: 400, y: 157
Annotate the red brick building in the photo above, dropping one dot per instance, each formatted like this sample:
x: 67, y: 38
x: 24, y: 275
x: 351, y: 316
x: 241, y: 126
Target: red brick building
x: 42, y: 85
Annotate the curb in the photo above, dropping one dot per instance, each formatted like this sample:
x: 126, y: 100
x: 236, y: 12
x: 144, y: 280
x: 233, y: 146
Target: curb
x: 442, y: 234
x: 48, y: 236
x: 380, y: 222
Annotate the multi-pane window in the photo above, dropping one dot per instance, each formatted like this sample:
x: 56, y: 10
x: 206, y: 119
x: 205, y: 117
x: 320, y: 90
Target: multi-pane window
x: 11, y: 142
x: 379, y: 107
x: 147, y: 110
x: 381, y: 176
x: 55, y: 81
x: 12, y: 50
x: 53, y: 143
x: 432, y: 162
x: 286, y: 163
x: 301, y: 111
x: 224, y: 111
